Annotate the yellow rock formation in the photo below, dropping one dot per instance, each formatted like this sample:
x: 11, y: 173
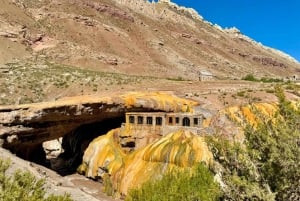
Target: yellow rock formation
x: 251, y: 114
x: 177, y: 150
x: 104, y: 155
x: 162, y: 100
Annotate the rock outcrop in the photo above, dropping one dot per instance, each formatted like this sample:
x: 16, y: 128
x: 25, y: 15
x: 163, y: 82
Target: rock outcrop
x: 105, y: 158
x: 23, y: 128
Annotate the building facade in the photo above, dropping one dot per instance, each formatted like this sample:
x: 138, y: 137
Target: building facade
x: 205, y: 75
x: 161, y: 123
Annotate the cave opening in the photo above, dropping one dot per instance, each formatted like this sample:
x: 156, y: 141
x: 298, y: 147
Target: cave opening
x: 74, y: 143
x: 64, y: 152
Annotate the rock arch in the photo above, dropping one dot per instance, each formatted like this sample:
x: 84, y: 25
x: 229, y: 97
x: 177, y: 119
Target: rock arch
x: 23, y: 128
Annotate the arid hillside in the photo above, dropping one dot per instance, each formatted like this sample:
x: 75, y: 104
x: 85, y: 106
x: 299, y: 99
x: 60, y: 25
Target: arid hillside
x: 53, y: 49
x: 132, y: 37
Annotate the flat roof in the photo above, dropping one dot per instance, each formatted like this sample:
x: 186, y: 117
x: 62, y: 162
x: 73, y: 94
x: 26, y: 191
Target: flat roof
x: 165, y: 113
x: 203, y: 72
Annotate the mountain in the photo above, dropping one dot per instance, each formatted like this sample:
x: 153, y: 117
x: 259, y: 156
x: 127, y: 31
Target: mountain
x: 133, y: 37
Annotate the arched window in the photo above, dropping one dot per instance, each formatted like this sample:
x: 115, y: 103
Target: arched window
x: 186, y: 121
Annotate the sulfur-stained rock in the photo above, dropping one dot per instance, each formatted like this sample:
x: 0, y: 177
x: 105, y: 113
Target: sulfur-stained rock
x: 104, y: 155
x: 251, y: 114
x: 176, y: 150
x: 32, y: 124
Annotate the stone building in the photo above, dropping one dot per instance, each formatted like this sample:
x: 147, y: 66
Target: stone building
x: 205, y: 75
x: 294, y: 78
x: 161, y: 123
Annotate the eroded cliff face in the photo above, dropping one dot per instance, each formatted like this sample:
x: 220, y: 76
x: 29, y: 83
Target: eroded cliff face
x: 105, y: 158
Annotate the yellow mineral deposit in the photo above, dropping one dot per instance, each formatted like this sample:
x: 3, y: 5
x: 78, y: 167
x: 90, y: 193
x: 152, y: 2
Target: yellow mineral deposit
x: 176, y: 150
x: 251, y: 114
x: 166, y: 101
x: 103, y: 153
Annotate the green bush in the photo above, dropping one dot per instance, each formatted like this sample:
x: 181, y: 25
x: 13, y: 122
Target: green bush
x: 24, y: 186
x: 270, y: 80
x: 250, y: 77
x: 239, y: 173
x: 197, y: 184
x: 275, y: 149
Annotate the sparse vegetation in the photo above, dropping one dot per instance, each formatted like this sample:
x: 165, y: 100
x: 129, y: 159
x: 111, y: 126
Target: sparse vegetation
x: 270, y: 80
x: 293, y: 88
x: 266, y: 167
x: 179, y: 78
x: 33, y: 82
x: 271, y: 91
x: 24, y: 186
x: 241, y: 93
x: 252, y: 78
x: 196, y: 184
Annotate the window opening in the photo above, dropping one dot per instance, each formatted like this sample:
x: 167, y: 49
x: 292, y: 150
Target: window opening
x: 140, y: 120
x: 196, y: 121
x: 170, y: 120
x: 149, y: 120
x: 186, y: 121
x: 158, y: 121
x: 131, y: 119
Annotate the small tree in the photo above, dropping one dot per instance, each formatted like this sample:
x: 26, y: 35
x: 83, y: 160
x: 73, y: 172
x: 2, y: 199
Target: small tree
x: 275, y: 148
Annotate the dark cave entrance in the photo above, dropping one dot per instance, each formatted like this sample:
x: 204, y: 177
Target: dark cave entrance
x: 73, y: 145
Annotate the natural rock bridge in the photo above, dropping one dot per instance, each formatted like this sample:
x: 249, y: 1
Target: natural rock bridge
x: 23, y: 128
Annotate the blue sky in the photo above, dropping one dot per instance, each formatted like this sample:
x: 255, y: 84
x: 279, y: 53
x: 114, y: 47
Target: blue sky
x: 274, y: 23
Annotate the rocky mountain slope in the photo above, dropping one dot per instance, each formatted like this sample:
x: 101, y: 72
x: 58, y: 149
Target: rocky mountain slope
x: 133, y: 37
x: 52, y: 49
